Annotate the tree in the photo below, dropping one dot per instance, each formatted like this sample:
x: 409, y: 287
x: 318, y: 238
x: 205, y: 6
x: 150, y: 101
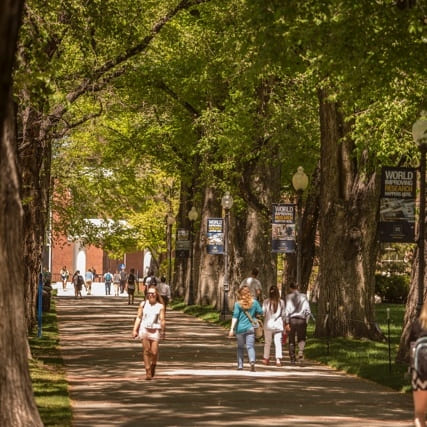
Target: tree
x: 69, y: 56
x: 17, y: 405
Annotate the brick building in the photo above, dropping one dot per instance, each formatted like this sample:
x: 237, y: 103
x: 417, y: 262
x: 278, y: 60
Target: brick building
x: 77, y: 257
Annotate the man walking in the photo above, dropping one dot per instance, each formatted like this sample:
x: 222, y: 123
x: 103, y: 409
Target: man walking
x: 253, y: 284
x: 297, y: 313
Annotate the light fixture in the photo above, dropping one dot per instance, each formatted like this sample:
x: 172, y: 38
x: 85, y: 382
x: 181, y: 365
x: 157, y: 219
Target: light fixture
x: 193, y: 214
x: 300, y: 179
x: 227, y: 200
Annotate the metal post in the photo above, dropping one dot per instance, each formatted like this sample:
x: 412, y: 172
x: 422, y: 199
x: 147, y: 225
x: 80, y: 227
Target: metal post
x: 389, y: 340
x: 421, y: 229
x: 191, y: 285
x: 299, y: 238
x: 40, y: 306
x: 226, y: 284
x: 169, y: 253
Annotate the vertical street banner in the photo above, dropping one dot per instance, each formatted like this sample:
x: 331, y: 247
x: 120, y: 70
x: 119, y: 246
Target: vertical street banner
x: 283, y: 228
x: 182, y: 243
x: 397, y: 205
x: 215, y: 236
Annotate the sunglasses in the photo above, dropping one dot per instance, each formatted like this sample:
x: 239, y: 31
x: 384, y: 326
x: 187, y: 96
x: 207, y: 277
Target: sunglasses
x: 151, y: 294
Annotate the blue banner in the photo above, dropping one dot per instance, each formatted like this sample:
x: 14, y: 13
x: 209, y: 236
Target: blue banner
x: 283, y: 228
x: 397, y: 205
x: 182, y: 243
x: 215, y: 236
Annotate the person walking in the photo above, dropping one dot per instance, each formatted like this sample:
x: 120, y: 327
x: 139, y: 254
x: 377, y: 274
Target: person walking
x: 149, y: 327
x: 164, y: 291
x: 123, y: 278
x: 78, y: 282
x: 116, y: 283
x: 88, y: 281
x: 242, y: 324
x: 297, y: 313
x: 64, y: 273
x: 108, y: 278
x: 274, y: 312
x: 131, y: 286
x: 253, y: 284
x: 147, y: 281
x: 418, y: 383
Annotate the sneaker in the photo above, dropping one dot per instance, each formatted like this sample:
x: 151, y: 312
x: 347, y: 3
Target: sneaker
x: 300, y: 356
x: 239, y: 368
x: 252, y: 367
x: 278, y: 362
x: 266, y: 361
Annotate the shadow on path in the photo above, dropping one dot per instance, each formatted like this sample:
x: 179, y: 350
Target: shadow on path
x: 197, y: 383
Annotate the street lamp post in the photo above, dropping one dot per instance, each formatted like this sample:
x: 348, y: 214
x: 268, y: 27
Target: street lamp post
x: 226, y: 203
x: 300, y: 183
x: 192, y: 216
x: 170, y: 220
x: 419, y: 133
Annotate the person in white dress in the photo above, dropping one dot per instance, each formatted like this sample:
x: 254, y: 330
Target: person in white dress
x: 149, y: 327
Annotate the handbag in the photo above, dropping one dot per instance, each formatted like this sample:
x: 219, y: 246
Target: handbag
x: 257, y: 324
x: 276, y: 324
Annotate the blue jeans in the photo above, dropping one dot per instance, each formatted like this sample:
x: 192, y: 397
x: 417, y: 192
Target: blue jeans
x: 247, y: 339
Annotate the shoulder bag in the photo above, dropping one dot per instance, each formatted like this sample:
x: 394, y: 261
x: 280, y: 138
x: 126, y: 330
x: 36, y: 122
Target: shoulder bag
x: 257, y: 324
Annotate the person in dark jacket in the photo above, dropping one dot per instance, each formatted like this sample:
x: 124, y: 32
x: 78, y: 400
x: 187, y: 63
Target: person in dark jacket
x: 297, y: 313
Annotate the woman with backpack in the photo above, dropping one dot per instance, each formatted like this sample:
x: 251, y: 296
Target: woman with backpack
x: 418, y: 379
x: 78, y: 282
x: 131, y: 286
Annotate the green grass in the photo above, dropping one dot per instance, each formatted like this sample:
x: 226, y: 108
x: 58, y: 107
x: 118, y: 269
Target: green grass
x: 48, y: 375
x: 364, y: 358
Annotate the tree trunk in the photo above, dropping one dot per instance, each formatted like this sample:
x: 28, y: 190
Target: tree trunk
x: 348, y: 224
x: 17, y: 406
x: 309, y: 228
x: 35, y: 161
x: 410, y: 311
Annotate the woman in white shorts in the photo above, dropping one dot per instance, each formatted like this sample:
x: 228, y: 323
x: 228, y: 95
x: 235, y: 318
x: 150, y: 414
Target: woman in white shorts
x: 149, y: 326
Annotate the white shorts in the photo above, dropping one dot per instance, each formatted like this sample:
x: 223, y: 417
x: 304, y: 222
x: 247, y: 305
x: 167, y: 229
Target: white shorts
x: 151, y: 334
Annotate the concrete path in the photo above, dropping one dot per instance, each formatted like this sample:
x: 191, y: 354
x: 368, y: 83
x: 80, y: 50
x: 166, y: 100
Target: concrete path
x: 196, y: 382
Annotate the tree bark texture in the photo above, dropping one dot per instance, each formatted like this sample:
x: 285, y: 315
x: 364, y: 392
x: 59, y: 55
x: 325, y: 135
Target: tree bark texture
x: 411, y: 310
x: 310, y: 220
x: 10, y: 21
x: 17, y: 405
x: 348, y: 243
x: 35, y: 160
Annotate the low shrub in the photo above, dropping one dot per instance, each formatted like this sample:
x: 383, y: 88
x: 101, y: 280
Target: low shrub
x: 392, y: 289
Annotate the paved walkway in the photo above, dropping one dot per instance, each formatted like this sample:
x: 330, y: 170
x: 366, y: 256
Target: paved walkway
x: 197, y: 383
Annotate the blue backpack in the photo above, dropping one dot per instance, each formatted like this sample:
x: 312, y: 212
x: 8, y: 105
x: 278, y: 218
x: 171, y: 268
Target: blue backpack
x: 108, y: 277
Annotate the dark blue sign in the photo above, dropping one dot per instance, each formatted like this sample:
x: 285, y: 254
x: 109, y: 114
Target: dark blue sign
x: 283, y: 228
x: 215, y: 236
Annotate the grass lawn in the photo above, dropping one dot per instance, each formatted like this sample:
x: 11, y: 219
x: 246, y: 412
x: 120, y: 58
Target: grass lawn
x: 364, y: 358
x: 47, y: 374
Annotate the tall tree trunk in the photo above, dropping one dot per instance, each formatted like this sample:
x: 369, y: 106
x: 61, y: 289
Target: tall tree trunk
x: 17, y: 405
x: 348, y: 224
x: 411, y: 310
x: 35, y: 161
x: 309, y: 228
